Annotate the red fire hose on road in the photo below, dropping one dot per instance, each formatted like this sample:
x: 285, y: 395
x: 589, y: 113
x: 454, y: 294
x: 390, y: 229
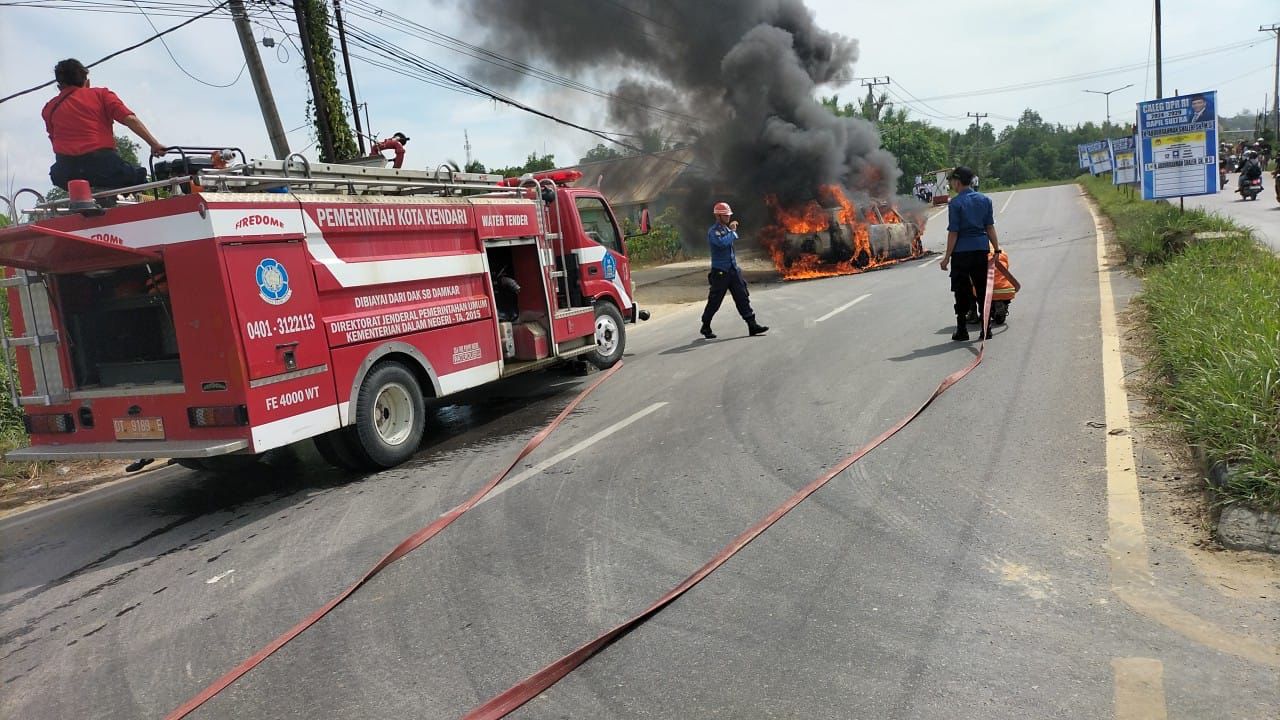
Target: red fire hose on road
x: 529, y: 688
x: 409, y: 544
x: 532, y: 686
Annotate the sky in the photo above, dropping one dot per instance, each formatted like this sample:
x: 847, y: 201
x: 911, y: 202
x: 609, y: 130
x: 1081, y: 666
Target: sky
x: 940, y: 57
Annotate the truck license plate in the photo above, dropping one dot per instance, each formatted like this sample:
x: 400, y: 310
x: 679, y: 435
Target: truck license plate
x: 139, y: 428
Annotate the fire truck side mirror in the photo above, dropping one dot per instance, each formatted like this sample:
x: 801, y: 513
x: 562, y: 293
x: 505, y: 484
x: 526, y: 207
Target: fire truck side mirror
x: 548, y: 195
x: 644, y: 224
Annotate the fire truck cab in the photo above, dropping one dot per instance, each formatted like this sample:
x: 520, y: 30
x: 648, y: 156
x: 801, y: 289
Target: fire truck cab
x: 254, y: 308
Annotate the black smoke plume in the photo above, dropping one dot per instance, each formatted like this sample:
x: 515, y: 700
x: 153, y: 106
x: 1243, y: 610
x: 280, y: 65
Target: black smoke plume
x: 747, y: 70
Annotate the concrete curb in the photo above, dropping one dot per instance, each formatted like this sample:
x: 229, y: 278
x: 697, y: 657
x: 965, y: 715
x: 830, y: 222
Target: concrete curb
x: 1243, y: 528
x: 656, y: 280
x: 1239, y: 527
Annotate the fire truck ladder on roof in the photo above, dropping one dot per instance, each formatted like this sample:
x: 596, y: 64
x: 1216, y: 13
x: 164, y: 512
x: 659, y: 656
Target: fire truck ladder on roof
x: 265, y: 174
x: 41, y: 341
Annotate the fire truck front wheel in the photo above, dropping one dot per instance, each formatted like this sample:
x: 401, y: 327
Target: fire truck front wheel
x: 611, y: 336
x: 390, y: 416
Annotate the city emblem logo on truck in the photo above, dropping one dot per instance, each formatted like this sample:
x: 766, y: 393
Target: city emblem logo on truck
x: 273, y: 282
x: 610, y: 266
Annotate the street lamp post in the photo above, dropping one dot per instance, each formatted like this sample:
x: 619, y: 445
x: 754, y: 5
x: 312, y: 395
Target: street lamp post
x: 1107, y: 94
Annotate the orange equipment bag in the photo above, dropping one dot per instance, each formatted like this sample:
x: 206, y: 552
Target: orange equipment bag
x: 1004, y: 289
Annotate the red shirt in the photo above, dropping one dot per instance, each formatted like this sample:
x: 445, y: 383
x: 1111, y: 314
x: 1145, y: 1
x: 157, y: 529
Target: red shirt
x: 82, y: 122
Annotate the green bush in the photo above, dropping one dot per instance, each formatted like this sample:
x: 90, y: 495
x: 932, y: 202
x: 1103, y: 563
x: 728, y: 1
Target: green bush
x: 661, y: 245
x: 12, y: 434
x: 1212, y: 307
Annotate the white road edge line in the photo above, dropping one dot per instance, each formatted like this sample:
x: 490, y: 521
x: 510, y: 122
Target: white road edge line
x: 931, y: 260
x: 842, y: 308
x: 1007, y: 201
x: 554, y: 459
x: 937, y: 213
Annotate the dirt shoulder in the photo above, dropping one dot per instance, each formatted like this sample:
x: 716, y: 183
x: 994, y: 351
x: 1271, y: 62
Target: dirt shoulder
x: 30, y: 485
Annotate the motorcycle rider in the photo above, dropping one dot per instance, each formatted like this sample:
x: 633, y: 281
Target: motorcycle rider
x: 1251, y: 169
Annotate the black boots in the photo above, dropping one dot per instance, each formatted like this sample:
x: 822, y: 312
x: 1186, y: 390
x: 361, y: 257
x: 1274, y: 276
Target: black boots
x: 962, y: 332
x: 753, y: 328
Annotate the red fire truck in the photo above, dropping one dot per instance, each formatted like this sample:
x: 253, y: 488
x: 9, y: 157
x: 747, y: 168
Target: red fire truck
x: 268, y: 302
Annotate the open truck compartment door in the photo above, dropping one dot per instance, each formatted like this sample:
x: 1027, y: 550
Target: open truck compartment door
x: 45, y: 250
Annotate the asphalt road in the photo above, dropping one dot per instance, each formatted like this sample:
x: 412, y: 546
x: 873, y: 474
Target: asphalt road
x: 1263, y: 214
x: 960, y: 571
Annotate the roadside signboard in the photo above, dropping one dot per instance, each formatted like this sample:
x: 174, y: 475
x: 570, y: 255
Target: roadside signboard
x: 1124, y: 160
x: 1178, y: 146
x: 1084, y: 157
x: 1099, y: 157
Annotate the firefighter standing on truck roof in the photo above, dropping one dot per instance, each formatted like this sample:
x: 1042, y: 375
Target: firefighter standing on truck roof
x: 79, y: 122
x: 969, y: 228
x: 725, y: 275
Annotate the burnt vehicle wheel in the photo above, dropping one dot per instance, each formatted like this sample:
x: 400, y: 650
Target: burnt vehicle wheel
x: 390, y: 416
x: 611, y: 336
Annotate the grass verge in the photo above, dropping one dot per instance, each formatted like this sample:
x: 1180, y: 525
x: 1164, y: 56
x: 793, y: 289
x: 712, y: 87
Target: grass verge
x: 1215, y: 334
x: 996, y: 186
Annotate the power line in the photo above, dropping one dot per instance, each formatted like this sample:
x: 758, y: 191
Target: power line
x: 161, y: 9
x: 372, y: 42
x: 639, y: 14
x: 135, y: 46
x: 169, y: 50
x: 1090, y: 75
x: 371, y: 12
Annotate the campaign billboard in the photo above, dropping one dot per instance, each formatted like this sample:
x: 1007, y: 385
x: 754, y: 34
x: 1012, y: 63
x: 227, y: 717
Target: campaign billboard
x: 1099, y: 157
x: 1084, y: 157
x: 1124, y: 160
x: 1178, y: 146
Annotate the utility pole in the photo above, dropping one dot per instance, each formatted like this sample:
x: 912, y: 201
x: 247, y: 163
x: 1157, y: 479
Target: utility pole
x: 1159, y: 57
x: 317, y: 98
x: 1107, y: 93
x: 346, y: 61
x: 1275, y: 91
x: 266, y: 101
x: 466, y: 143
x: 870, y: 84
x: 977, y: 118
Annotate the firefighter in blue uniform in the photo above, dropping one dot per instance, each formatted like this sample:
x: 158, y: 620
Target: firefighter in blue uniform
x: 725, y: 275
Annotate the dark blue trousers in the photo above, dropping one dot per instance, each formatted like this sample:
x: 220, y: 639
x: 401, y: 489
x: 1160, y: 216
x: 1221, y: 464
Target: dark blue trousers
x: 729, y: 281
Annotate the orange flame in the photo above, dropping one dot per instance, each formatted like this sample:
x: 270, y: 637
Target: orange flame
x: 811, y: 218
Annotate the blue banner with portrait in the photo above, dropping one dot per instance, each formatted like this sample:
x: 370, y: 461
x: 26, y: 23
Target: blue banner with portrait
x: 1178, y: 146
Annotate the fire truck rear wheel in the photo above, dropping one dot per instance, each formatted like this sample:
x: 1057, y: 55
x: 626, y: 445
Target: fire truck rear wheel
x: 611, y: 336
x: 390, y: 416
x: 337, y: 449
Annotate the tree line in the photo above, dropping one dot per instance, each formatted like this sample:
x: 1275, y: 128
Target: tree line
x: 1030, y: 149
